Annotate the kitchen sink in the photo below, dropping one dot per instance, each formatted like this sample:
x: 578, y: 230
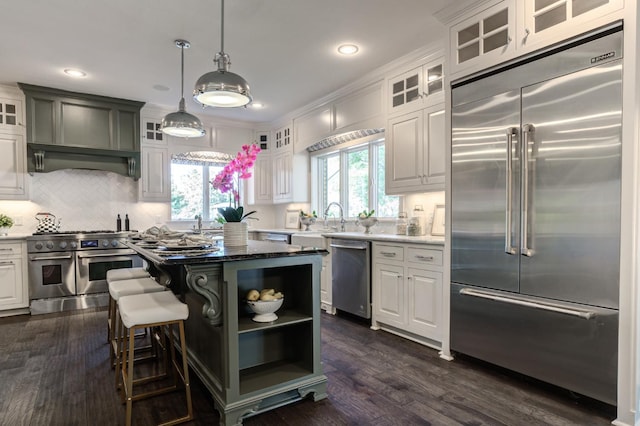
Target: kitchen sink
x: 309, y: 239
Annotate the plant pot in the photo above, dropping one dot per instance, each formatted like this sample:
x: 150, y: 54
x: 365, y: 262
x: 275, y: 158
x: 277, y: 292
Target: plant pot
x: 235, y: 234
x: 4, y: 230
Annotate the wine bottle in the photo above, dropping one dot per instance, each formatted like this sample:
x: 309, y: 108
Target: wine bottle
x: 126, y: 222
x: 118, y: 224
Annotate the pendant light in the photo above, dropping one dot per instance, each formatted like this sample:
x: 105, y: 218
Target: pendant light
x: 222, y: 88
x: 181, y: 123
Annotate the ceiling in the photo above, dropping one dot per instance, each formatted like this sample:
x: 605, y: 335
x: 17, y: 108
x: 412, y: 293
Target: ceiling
x: 285, y: 49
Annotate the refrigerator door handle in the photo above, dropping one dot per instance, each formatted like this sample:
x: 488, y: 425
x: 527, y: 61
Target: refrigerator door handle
x: 528, y: 303
x: 527, y: 130
x: 508, y: 247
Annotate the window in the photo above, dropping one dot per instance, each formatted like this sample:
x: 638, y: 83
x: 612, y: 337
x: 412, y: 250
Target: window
x: 191, y: 174
x: 354, y: 177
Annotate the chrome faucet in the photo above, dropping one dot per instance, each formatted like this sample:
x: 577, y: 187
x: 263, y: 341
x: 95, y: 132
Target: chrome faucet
x: 326, y: 218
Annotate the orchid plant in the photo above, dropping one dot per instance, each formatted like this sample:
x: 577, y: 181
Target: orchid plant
x: 228, y: 181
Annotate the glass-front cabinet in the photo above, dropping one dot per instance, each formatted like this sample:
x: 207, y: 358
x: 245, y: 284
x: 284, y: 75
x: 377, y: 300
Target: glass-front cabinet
x: 546, y: 21
x: 486, y: 36
x: 419, y: 87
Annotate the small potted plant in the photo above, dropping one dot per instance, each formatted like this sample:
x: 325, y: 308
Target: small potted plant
x: 5, y: 223
x: 366, y: 219
x: 308, y: 219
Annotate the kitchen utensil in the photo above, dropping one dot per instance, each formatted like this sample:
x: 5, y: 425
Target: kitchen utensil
x: 47, y: 222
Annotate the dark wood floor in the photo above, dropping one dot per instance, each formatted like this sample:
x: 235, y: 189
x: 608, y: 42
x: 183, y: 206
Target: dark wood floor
x: 54, y: 370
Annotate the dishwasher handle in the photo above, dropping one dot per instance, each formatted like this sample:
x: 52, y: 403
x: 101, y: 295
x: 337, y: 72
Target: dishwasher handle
x: 348, y: 247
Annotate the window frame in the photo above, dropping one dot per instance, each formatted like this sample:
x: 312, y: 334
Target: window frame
x: 318, y: 175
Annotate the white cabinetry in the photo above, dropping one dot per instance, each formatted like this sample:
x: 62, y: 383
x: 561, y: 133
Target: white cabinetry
x: 415, y: 151
x: 361, y: 109
x: 13, y: 274
x: 13, y: 178
x: 13, y: 181
x: 488, y: 32
x: 407, y: 291
x: 486, y: 37
x: 416, y: 88
x: 260, y: 185
x: 545, y: 22
x: 290, y: 170
x: 312, y: 127
x: 155, y: 183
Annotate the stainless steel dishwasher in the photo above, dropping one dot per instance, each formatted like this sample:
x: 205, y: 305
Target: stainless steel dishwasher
x: 351, y: 276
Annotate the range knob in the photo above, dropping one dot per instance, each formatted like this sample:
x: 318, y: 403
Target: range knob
x: 114, y: 243
x: 49, y: 245
x: 63, y: 245
x: 74, y: 245
x: 38, y: 246
x: 105, y: 243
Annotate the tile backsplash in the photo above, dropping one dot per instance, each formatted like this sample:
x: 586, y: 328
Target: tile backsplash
x: 84, y: 200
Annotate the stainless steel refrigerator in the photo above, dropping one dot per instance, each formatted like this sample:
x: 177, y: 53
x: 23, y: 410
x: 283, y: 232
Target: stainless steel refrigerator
x: 535, y: 214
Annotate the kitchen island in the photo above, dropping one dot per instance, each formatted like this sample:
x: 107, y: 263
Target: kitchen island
x: 248, y: 367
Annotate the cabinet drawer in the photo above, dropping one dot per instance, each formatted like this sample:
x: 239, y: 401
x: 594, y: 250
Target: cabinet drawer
x: 10, y: 249
x: 385, y: 252
x: 424, y: 256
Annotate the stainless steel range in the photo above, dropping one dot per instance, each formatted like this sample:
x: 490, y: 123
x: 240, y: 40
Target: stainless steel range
x: 67, y: 270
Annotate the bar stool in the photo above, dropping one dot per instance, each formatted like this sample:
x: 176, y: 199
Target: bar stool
x: 162, y: 309
x: 119, y: 275
x: 118, y: 289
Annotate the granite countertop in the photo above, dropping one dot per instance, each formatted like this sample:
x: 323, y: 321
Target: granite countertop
x: 220, y: 253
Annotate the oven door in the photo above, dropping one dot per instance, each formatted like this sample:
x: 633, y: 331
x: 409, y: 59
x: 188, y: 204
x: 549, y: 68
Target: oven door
x: 51, y: 275
x: 92, y: 267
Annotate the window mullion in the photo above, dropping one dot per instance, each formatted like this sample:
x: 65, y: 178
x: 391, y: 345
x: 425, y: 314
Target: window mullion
x: 373, y: 162
x: 206, y: 200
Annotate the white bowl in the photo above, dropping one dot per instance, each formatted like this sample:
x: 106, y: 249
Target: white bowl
x: 265, y: 309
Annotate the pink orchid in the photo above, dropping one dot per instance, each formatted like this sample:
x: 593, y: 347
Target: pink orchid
x: 238, y: 168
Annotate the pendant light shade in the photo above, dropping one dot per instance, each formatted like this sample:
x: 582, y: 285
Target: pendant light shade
x: 181, y: 123
x: 222, y: 88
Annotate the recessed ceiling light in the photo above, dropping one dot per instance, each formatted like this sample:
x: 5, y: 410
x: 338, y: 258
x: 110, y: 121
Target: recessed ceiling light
x: 257, y: 104
x: 348, y: 49
x: 75, y: 73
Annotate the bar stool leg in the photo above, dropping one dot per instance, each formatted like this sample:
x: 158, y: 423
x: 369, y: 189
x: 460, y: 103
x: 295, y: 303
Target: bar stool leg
x: 185, y: 371
x: 129, y: 376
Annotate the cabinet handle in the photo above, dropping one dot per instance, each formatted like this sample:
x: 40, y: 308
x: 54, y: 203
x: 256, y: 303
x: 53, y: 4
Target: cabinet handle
x: 425, y: 258
x: 6, y: 263
x: 409, y: 277
x: 388, y: 254
x: 509, y: 39
x: 6, y: 249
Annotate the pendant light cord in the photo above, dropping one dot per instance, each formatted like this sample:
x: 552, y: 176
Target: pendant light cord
x: 182, y: 71
x: 222, y: 27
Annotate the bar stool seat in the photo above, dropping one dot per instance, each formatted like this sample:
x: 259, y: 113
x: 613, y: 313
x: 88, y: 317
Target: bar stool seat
x: 118, y: 275
x: 160, y: 309
x: 118, y: 289
x: 126, y: 274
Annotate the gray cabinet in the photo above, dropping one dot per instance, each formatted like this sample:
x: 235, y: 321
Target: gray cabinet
x: 251, y: 367
x: 69, y: 130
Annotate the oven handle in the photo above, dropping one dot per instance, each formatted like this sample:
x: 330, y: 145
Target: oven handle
x: 120, y: 253
x: 33, y: 258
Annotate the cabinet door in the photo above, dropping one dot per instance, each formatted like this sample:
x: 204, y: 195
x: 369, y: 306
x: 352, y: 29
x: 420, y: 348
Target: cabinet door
x: 404, y: 158
x: 152, y: 133
x: 424, y: 294
x: 433, y: 82
x: 155, y: 182
x: 11, y: 284
x: 484, y: 39
x: 12, y: 167
x: 11, y: 115
x: 548, y: 21
x: 260, y: 185
x: 405, y: 90
x: 434, y: 150
x: 282, y: 169
x: 389, y: 294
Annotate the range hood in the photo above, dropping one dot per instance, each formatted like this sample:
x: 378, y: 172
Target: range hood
x: 69, y: 130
